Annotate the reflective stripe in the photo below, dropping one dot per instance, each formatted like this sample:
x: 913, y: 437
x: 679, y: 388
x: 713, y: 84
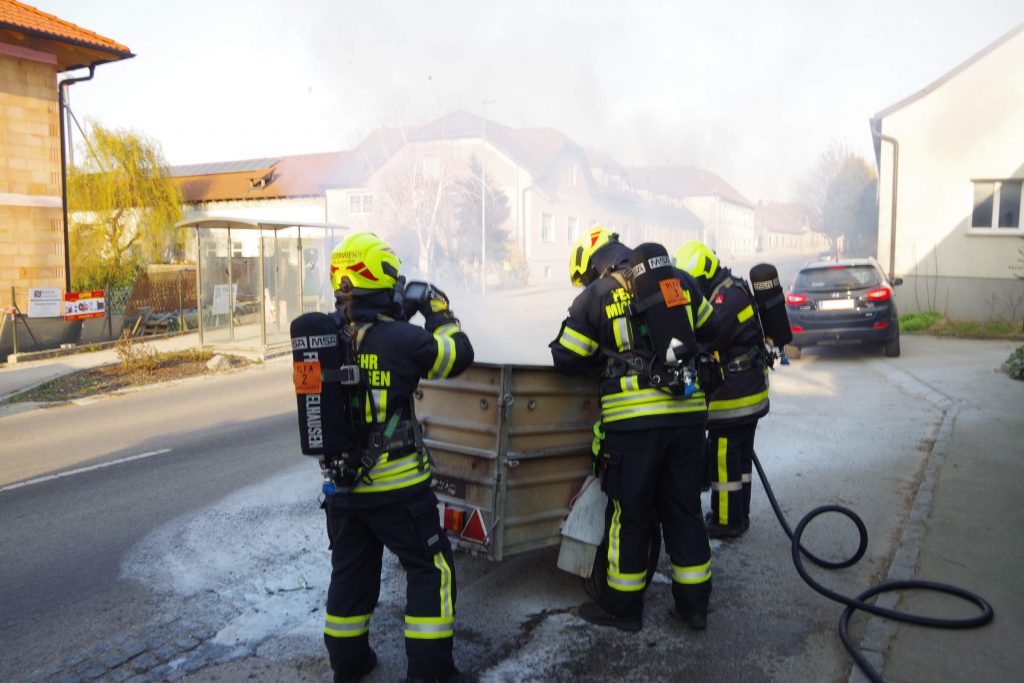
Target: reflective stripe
x: 447, y: 607
x: 700, y: 573
x: 630, y: 383
x: 428, y: 628
x: 620, y: 330
x: 738, y: 407
x: 627, y: 583
x: 447, y: 330
x: 614, y: 530
x: 380, y: 399
x: 727, y: 485
x: 347, y: 627
x: 745, y: 315
x: 703, y: 313
x: 647, y: 402
x: 745, y: 477
x: 387, y: 476
x: 445, y: 357
x: 723, y: 475
x: 578, y: 343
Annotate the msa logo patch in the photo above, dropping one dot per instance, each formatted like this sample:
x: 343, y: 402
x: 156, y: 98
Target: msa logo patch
x: 766, y: 284
x: 658, y: 262
x: 323, y: 341
x: 320, y: 341
x: 637, y: 270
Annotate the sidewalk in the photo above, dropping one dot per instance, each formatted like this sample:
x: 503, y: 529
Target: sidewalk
x: 965, y: 525
x: 35, y: 368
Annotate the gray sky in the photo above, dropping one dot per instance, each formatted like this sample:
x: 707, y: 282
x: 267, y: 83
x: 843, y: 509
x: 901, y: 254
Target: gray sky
x: 752, y: 91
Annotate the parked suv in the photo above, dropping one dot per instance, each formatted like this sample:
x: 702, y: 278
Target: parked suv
x: 848, y: 301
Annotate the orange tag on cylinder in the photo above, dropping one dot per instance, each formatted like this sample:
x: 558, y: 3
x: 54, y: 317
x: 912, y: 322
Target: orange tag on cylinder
x: 306, y: 375
x: 673, y: 293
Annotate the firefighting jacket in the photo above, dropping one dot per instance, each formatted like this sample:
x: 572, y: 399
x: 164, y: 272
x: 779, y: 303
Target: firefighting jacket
x: 743, y: 397
x: 393, y: 355
x: 598, y: 321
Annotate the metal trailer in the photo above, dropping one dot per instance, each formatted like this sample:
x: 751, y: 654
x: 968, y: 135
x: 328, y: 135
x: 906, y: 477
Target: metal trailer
x: 510, y: 443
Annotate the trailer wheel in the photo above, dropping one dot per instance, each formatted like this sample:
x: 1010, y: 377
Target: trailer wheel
x: 599, y: 575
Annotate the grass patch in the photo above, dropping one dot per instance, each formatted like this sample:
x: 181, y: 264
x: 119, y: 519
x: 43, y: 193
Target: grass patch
x: 139, y: 366
x: 934, y: 323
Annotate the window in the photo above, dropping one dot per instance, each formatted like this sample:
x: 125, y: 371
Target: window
x: 360, y: 203
x: 997, y: 204
x: 547, y: 227
x: 573, y: 229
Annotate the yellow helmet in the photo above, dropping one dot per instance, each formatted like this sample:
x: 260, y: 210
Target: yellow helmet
x: 363, y: 261
x: 584, y: 249
x: 697, y: 259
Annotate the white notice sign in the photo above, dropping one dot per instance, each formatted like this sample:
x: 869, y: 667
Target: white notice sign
x: 45, y: 302
x: 220, y: 298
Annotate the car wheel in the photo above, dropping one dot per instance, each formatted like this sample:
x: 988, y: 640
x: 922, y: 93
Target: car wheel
x: 892, y: 347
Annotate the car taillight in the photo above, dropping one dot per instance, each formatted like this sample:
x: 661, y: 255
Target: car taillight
x: 795, y: 299
x: 454, y: 520
x: 796, y: 328
x: 882, y: 325
x: 880, y: 294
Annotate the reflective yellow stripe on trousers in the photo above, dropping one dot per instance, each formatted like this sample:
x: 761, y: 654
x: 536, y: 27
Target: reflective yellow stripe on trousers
x: 618, y: 580
x: 699, y: 573
x: 346, y: 627
x: 435, y: 628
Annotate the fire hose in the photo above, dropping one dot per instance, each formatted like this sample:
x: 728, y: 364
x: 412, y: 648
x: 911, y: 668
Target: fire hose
x: 859, y: 602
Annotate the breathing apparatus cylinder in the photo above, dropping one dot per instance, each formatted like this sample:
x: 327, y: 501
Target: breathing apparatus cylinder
x: 659, y: 301
x: 771, y: 304
x: 322, y: 382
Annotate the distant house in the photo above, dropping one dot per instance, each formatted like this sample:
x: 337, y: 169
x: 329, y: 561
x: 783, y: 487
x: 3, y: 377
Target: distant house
x: 727, y: 215
x: 785, y: 228
x: 951, y: 168
x: 287, y: 188
x: 34, y: 48
x: 552, y: 191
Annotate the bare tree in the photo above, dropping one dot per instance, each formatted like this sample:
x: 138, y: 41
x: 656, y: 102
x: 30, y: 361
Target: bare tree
x: 840, y: 194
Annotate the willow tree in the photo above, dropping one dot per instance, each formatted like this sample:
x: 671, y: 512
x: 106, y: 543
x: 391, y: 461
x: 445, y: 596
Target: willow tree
x: 122, y: 207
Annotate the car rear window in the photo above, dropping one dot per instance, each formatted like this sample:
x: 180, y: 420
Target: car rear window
x: 837, y: 277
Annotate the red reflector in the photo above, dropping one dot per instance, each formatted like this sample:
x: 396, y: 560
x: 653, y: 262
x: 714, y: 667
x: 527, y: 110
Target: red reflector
x: 795, y: 299
x: 454, y: 519
x: 881, y: 325
x: 880, y: 294
x: 475, y: 530
x: 796, y: 328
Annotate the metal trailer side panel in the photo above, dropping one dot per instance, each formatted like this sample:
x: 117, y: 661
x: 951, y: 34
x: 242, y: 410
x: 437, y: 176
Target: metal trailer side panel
x: 513, y: 441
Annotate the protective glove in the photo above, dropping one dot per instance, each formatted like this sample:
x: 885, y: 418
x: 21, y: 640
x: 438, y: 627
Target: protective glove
x: 595, y: 448
x: 436, y: 302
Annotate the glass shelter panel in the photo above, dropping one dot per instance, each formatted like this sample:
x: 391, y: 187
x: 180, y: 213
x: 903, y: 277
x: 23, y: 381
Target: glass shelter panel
x: 214, y: 302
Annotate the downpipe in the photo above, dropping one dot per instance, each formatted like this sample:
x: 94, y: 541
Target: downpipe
x: 859, y: 602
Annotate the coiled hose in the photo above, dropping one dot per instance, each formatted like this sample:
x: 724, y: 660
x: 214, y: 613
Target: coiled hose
x: 858, y: 603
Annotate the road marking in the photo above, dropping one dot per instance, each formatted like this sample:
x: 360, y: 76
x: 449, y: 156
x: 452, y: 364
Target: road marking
x: 80, y: 470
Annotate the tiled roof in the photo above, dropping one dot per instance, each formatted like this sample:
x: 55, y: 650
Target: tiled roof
x: 685, y: 181
x: 791, y: 217
x: 19, y: 16
x: 277, y: 178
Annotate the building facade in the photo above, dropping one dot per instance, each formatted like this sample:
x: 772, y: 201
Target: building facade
x: 951, y: 169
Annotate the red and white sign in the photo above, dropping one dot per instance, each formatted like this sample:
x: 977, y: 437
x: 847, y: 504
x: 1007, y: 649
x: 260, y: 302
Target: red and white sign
x: 82, y: 305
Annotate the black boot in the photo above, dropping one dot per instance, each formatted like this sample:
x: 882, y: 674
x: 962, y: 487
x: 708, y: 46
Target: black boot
x: 357, y: 674
x: 696, y: 621
x: 595, y: 614
x: 716, y: 530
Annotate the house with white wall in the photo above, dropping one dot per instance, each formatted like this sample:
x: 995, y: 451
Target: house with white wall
x: 727, y: 215
x: 784, y: 228
x: 552, y: 193
x: 951, y: 169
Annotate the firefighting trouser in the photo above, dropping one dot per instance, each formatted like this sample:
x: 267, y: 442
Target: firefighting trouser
x: 730, y: 459
x: 656, y: 471
x: 358, y: 531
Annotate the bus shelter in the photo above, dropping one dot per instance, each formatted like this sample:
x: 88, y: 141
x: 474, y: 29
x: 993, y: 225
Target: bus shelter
x: 254, y: 276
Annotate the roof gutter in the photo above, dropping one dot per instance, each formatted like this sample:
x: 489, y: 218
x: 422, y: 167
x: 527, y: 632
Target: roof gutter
x: 876, y: 133
x: 61, y: 87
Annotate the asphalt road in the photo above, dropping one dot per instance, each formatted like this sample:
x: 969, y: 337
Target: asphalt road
x: 226, y: 518
x: 63, y: 539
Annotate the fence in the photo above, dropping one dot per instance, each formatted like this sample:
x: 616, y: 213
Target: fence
x: 158, y: 303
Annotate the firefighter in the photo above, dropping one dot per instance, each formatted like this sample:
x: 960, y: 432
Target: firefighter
x: 382, y: 496
x: 736, y: 406
x: 651, y: 456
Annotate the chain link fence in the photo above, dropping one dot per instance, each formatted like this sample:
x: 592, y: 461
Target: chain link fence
x: 161, y: 302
